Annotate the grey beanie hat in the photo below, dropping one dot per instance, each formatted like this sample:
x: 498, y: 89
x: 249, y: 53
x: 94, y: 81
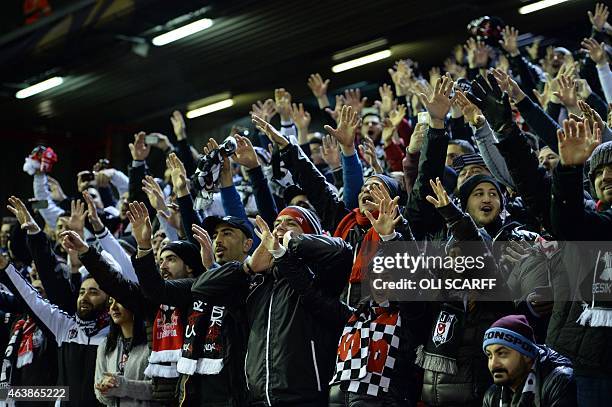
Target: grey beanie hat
x: 602, y: 155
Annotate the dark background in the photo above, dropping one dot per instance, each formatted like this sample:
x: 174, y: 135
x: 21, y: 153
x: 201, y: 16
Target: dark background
x: 110, y: 93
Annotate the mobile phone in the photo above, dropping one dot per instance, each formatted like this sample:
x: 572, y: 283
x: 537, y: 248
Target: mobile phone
x: 151, y: 139
x: 423, y: 118
x: 39, y: 204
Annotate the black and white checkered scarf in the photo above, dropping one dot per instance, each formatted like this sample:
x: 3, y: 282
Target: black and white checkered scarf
x: 368, y: 349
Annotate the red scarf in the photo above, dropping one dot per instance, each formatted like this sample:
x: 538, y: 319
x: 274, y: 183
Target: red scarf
x: 168, y: 333
x: 364, y: 255
x: 25, y: 354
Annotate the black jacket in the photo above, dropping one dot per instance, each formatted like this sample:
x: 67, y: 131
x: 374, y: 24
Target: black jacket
x: 226, y: 388
x: 333, y: 315
x: 472, y: 379
x: 290, y: 355
x: 555, y: 384
x: 571, y: 220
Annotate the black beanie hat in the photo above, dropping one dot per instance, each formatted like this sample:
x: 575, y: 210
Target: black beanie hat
x: 188, y: 252
x: 602, y: 155
x: 471, y: 183
x: 391, y: 184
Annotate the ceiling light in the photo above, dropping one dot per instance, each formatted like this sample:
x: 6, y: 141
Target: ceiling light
x: 530, y: 8
x: 39, y: 87
x: 361, y: 61
x: 201, y: 111
x: 182, y: 32
x: 359, y: 49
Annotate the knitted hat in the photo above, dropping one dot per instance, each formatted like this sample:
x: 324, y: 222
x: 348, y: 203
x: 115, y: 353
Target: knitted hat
x: 514, y: 332
x: 602, y: 155
x: 391, y: 184
x: 471, y: 183
x: 309, y: 222
x: 188, y: 252
x: 467, y: 159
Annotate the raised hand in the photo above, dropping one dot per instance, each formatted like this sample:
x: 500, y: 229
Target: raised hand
x: 352, y: 97
x: 139, y: 149
x: 567, y: 93
x: 206, y: 250
x: 600, y: 17
x: 544, y: 96
x: 173, y: 217
x: 282, y: 102
x: 141, y: 224
x: 510, y: 41
x: 178, y: 175
x: 416, y: 138
x: 596, y: 51
x: 388, y: 216
x: 477, y: 53
x: 471, y: 113
x: 269, y: 130
x: 335, y: 114
x: 547, y: 61
x: 25, y: 219
x: 490, y: 99
x: 178, y: 125
x: 245, y: 154
x: 439, y: 103
x: 400, y: 76
x: 76, y: 222
x: 301, y: 118
x: 163, y: 143
x: 397, y: 115
x: 92, y: 213
x: 71, y: 240
x: 533, y: 49
x: 441, y: 199
x: 386, y: 100
x: 345, y: 132
x: 266, y: 110
x: 318, y: 86
x: 577, y: 141
x: 266, y: 236
x: 57, y: 193
x: 591, y: 114
x: 508, y: 85
x: 154, y: 193
x: 330, y: 152
x: 369, y: 153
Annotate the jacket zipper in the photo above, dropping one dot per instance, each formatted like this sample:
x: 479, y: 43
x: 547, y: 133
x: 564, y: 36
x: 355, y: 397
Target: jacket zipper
x: 314, y: 361
x: 268, y: 349
x: 246, y: 377
x: 184, y: 390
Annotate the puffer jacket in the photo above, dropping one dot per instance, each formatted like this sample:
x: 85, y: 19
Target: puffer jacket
x: 468, y: 385
x: 555, y: 384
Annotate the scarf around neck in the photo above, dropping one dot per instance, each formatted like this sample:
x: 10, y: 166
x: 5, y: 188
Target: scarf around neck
x: 168, y: 332
x: 203, y: 350
x: 365, y: 251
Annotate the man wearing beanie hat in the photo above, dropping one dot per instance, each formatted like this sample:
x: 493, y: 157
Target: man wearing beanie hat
x: 481, y: 197
x: 586, y: 325
x: 180, y: 259
x: 467, y: 165
x: 525, y: 374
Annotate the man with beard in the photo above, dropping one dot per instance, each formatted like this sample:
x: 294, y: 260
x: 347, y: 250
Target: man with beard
x: 525, y: 374
x: 77, y: 336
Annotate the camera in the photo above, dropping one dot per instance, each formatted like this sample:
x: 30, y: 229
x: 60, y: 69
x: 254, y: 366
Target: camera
x: 209, y: 166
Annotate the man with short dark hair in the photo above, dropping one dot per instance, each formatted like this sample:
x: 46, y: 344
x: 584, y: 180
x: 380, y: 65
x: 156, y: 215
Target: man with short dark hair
x: 524, y: 373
